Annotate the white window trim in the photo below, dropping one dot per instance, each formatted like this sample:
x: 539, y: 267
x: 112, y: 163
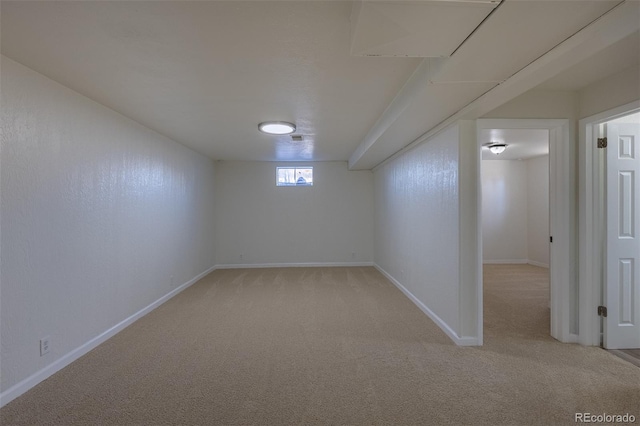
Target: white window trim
x: 296, y: 185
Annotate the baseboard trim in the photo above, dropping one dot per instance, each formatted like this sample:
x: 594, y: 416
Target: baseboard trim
x: 291, y: 265
x: 23, y: 386
x: 505, y: 262
x: 460, y: 341
x: 515, y: 262
x: 536, y: 263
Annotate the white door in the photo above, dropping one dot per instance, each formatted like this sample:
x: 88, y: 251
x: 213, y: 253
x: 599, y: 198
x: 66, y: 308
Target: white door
x: 622, y: 294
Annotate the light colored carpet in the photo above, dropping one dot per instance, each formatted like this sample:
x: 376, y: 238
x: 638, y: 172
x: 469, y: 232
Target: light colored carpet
x: 331, y: 346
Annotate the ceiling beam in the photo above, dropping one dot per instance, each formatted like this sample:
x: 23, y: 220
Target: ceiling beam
x: 616, y: 24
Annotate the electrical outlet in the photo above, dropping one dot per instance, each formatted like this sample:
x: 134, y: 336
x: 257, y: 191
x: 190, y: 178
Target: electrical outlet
x: 241, y: 256
x: 171, y: 281
x: 45, y: 345
x: 353, y: 255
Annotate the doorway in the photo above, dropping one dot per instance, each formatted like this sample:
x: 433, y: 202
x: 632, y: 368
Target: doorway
x: 610, y: 191
x: 515, y: 232
x: 560, y: 283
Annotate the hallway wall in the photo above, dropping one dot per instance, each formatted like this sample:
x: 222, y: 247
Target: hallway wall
x: 425, y: 228
x: 100, y: 217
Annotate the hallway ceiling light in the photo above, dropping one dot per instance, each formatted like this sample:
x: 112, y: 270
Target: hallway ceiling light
x: 277, y: 127
x: 497, y: 148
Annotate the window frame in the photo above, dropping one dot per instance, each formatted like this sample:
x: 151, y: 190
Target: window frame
x: 295, y: 169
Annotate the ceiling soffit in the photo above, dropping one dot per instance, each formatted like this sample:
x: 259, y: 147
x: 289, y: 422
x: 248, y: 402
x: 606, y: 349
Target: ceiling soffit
x: 508, y: 41
x: 515, y: 35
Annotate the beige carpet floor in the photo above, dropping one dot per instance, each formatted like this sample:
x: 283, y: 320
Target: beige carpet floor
x: 332, y: 346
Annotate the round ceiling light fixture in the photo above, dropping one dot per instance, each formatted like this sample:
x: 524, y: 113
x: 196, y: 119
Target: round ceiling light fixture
x: 277, y: 127
x: 497, y: 148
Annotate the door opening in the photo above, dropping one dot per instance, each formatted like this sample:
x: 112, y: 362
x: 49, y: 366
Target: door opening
x: 515, y: 231
x: 493, y: 211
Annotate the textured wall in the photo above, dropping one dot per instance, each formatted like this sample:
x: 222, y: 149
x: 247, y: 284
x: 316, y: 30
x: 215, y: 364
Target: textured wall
x: 97, y: 215
x: 258, y: 222
x: 504, y: 211
x: 417, y: 223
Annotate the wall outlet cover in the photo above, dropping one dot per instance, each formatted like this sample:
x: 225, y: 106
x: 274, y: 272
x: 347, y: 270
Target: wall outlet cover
x: 45, y: 345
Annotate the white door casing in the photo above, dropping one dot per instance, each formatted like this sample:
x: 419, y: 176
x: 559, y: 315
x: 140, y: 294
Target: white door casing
x: 622, y: 294
x: 592, y: 222
x: 559, y: 218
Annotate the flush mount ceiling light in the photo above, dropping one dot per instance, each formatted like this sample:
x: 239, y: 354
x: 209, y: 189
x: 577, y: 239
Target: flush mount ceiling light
x: 497, y: 148
x: 277, y: 127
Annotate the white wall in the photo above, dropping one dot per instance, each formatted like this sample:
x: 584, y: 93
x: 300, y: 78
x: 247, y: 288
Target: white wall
x: 538, y: 210
x: 610, y: 92
x: 504, y: 211
x: 515, y: 211
x: 259, y: 223
x: 97, y: 215
x: 418, y: 228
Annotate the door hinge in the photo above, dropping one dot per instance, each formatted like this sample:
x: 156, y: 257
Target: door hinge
x: 602, y: 142
x: 550, y: 239
x: 602, y: 311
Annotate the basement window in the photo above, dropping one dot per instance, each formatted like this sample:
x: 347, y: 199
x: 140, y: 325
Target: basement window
x: 294, y: 176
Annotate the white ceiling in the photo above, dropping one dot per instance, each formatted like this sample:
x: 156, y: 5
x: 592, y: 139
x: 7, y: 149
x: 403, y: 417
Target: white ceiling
x: 394, y: 28
x: 205, y: 73
x: 522, y: 144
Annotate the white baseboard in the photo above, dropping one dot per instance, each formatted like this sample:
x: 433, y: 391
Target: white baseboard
x: 536, y: 263
x: 460, y: 341
x: 21, y: 387
x: 514, y: 262
x: 291, y: 265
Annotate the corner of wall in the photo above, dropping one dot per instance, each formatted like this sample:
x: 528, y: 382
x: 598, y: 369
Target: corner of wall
x: 469, y: 246
x: 24, y: 385
x: 450, y: 332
